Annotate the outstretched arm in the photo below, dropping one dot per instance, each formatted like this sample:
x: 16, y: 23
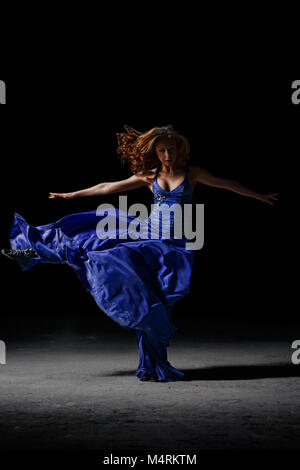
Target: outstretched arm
x: 134, y: 182
x: 203, y: 176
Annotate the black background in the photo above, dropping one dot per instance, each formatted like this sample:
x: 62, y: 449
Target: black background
x: 58, y: 134
x: 71, y: 85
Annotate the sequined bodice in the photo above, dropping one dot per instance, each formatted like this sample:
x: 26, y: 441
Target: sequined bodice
x: 182, y: 194
x: 162, y: 221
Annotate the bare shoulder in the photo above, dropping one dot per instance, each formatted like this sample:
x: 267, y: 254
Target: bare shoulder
x: 198, y: 173
x: 147, y: 172
x: 146, y: 178
x: 194, y: 172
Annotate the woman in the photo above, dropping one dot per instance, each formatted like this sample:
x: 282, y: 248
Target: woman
x: 134, y: 280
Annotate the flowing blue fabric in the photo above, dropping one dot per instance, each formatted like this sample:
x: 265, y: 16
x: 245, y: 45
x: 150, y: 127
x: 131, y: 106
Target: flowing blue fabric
x: 135, y: 281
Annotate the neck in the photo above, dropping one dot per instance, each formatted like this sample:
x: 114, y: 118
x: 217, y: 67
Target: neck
x: 170, y: 169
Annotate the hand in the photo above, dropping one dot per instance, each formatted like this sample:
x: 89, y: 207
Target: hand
x: 61, y: 195
x: 269, y: 198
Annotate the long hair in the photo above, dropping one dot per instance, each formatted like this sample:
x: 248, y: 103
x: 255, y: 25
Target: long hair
x: 138, y: 148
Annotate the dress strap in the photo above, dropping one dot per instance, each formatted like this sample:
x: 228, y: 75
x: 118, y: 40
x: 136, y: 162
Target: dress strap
x: 187, y: 183
x: 186, y: 173
x: 154, y: 179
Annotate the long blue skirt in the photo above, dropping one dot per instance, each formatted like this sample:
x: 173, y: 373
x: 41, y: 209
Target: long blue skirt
x: 136, y: 282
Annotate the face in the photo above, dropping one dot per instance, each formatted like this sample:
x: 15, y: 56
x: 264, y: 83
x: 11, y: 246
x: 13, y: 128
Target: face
x: 166, y: 150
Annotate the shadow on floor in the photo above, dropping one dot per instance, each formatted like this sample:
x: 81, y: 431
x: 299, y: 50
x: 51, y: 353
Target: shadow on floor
x: 251, y: 372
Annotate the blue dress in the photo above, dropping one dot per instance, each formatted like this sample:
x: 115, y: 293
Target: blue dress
x: 135, y: 281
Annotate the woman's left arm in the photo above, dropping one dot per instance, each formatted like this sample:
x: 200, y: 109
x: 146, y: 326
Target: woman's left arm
x: 205, y: 177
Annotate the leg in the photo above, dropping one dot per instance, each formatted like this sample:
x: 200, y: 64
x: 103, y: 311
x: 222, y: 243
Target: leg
x: 46, y: 244
x: 153, y: 364
x: 146, y: 367
x: 153, y: 340
x: 22, y: 256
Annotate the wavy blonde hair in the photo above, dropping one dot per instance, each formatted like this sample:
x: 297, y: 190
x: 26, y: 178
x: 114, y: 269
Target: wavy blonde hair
x: 138, y: 148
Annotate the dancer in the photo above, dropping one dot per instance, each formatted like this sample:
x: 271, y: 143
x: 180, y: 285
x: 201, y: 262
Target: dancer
x: 135, y: 281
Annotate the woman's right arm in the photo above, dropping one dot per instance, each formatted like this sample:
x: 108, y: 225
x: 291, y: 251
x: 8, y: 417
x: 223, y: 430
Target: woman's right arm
x: 134, y: 182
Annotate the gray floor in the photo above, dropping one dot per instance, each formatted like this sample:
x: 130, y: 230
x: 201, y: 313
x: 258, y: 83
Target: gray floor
x: 69, y: 391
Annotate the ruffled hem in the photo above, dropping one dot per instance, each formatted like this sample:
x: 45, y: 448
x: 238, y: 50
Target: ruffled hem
x: 153, y: 365
x: 144, y: 303
x: 162, y: 373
